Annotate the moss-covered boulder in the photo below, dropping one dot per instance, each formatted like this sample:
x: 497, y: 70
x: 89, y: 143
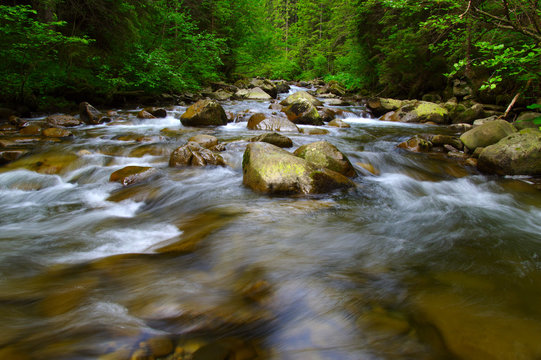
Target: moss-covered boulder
x: 193, y: 154
x: 300, y: 95
x: 132, y: 174
x: 271, y: 170
x: 517, y: 154
x: 325, y: 154
x: 487, y: 134
x: 274, y: 139
x: 422, y: 112
x: 260, y: 121
x: 303, y: 112
x: 204, y: 113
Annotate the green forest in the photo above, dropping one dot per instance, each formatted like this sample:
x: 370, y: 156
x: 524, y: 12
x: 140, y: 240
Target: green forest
x: 63, y: 51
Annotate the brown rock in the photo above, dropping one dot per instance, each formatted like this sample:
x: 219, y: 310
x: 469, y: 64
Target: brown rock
x: 416, y: 144
x: 274, y: 139
x: 143, y: 114
x: 260, y: 121
x: 89, y: 114
x: 206, y: 141
x: 325, y: 154
x: 132, y: 175
x: 339, y: 123
x: 57, y: 133
x: 193, y: 154
x: 204, y: 113
x: 63, y: 120
x: 30, y: 130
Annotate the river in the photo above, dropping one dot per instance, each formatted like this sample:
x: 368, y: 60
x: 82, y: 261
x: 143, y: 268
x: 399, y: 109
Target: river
x: 426, y: 259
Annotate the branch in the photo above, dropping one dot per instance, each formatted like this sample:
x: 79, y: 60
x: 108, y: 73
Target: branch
x: 510, y: 25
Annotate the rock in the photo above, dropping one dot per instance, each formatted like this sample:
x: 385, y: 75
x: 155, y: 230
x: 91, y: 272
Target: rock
x: 63, y: 120
x: 206, y: 141
x: 17, y: 121
x: 265, y: 85
x: 416, y: 144
x: 90, y: 115
x: 422, y: 112
x: 461, y: 114
x: 325, y: 154
x: 242, y: 83
x: 381, y: 106
x: 275, y: 106
x: 282, y: 86
x: 193, y: 154
x: 517, y: 154
x: 441, y: 140
x: 160, y: 346
x: 57, y: 133
x: 274, y: 139
x: 461, y: 88
x: 487, y: 134
x: 302, y: 111
x: 480, y: 122
x: 252, y: 94
x: 260, y: 121
x: 339, y: 123
x: 300, y: 95
x: 143, y: 114
x: 368, y: 167
x: 524, y: 120
x: 327, y: 114
x: 271, y: 170
x: 7, y: 156
x: 432, y: 97
x: 221, y: 95
x: 31, y: 129
x: 314, y: 131
x: 132, y: 175
x: 204, y: 113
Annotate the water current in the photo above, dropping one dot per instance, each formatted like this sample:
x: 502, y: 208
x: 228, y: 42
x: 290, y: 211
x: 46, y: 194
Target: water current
x: 425, y: 259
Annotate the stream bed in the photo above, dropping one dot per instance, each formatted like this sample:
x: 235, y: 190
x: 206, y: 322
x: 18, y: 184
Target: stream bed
x: 425, y: 259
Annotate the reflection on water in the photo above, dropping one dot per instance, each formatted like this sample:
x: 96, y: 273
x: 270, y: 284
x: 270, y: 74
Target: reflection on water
x: 426, y: 260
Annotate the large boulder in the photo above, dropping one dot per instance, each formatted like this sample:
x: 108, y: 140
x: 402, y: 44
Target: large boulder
x: 271, y: 170
x: 63, y: 120
x: 260, y: 121
x: 204, y: 113
x: 252, y: 94
x: 300, y: 95
x: 303, y: 112
x: 517, y: 154
x: 325, y: 154
x: 90, y: 115
x: 265, y: 85
x: 282, y: 86
x: 274, y: 139
x: 193, y: 154
x: 422, y: 112
x: 487, y: 134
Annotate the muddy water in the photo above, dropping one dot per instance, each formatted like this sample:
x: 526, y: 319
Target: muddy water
x: 427, y: 259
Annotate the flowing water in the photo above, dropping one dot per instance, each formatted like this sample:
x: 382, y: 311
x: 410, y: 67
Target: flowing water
x: 426, y: 259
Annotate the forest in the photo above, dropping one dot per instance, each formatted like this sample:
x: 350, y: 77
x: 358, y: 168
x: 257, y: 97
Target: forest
x: 59, y: 52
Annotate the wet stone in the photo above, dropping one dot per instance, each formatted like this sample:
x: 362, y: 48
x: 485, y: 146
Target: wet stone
x: 132, y: 175
x: 57, y: 133
x: 206, y: 141
x: 274, y: 139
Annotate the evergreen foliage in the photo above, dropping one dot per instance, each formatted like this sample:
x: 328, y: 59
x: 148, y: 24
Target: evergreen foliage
x: 69, y: 49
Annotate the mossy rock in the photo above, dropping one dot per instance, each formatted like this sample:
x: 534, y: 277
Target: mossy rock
x: 303, y: 112
x: 271, y: 170
x: 517, y: 154
x: 325, y: 154
x: 301, y: 95
x: 274, y: 139
x: 525, y: 120
x: 487, y: 134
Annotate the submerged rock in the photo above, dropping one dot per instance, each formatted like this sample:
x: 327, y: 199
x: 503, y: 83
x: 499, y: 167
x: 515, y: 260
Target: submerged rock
x: 517, y: 154
x: 487, y: 134
x: 274, y: 139
x: 204, y: 113
x: 325, y: 154
x: 271, y: 170
x: 260, y: 121
x: 132, y: 174
x: 193, y: 154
